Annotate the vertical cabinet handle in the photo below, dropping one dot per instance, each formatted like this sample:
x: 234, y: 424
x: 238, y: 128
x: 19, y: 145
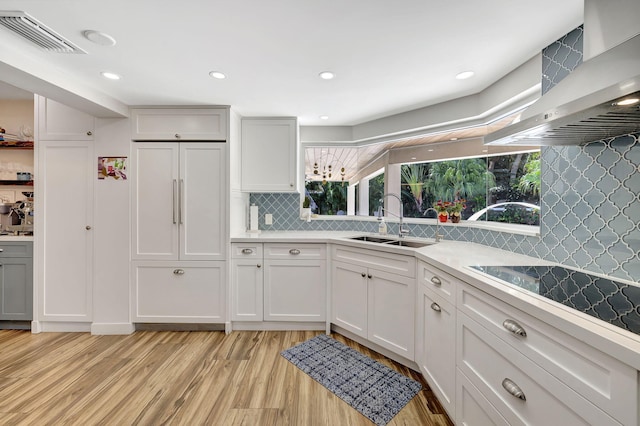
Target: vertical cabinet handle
x: 294, y: 251
x: 435, y: 280
x: 247, y: 251
x: 436, y: 307
x: 181, y: 201
x: 175, y: 195
x: 514, y: 327
x: 178, y: 271
x: 510, y: 386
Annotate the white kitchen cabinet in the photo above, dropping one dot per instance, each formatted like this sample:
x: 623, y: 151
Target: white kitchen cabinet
x: 436, y: 345
x: 179, y: 201
x: 175, y: 124
x: 58, y: 122
x: 64, y: 208
x: 269, y: 155
x: 247, y: 282
x: 280, y: 282
x: 178, y: 292
x: 522, y: 391
x: 377, y: 303
x: 472, y: 408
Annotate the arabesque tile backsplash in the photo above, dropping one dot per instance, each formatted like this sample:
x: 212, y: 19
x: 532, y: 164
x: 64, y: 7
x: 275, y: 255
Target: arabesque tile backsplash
x: 590, y: 213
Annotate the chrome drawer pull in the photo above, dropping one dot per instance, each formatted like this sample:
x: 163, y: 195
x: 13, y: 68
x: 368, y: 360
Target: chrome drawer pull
x: 178, y: 271
x: 436, y: 280
x: 436, y: 307
x: 514, y: 327
x: 294, y: 251
x: 510, y: 386
x: 247, y: 251
x: 1, y: 250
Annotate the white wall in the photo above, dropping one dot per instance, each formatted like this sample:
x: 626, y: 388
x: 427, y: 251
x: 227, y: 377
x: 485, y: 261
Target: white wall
x: 111, y: 233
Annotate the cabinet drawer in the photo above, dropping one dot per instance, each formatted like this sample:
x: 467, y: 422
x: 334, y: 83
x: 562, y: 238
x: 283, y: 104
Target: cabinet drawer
x: 246, y: 251
x: 494, y: 366
x: 605, y: 381
x: 180, y: 293
x: 16, y: 249
x: 473, y: 409
x: 388, y: 262
x: 294, y: 251
x: 440, y: 282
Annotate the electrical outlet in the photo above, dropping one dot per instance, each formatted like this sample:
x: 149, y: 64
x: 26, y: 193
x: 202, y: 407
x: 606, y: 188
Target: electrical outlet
x: 268, y: 219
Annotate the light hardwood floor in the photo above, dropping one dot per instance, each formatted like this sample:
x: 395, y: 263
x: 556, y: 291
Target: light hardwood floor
x: 181, y: 378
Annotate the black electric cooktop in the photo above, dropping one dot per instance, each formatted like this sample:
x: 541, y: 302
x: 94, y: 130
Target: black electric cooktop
x: 608, y: 300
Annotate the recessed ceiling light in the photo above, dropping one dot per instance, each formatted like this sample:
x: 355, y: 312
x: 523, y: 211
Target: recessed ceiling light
x: 414, y: 158
x: 430, y: 150
x: 217, y: 74
x: 110, y: 75
x: 98, y: 37
x: 324, y: 117
x: 454, y: 139
x: 629, y: 101
x: 464, y: 75
x: 485, y: 150
x: 326, y: 75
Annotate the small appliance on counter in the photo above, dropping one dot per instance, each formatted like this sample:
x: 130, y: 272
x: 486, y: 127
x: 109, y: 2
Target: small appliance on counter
x: 21, y: 216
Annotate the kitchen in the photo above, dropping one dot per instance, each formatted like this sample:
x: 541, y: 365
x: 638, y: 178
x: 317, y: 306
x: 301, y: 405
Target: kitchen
x: 100, y: 309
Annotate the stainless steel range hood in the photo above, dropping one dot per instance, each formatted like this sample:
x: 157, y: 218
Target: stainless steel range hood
x: 585, y: 106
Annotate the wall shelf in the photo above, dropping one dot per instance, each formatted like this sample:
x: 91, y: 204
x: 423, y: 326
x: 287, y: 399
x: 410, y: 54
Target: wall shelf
x: 16, y: 144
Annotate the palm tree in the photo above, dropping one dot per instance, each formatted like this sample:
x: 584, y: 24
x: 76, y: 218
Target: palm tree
x: 414, y: 177
x: 468, y: 178
x: 529, y: 182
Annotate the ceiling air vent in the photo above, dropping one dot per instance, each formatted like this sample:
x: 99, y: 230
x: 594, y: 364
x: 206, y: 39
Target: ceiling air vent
x: 37, y: 33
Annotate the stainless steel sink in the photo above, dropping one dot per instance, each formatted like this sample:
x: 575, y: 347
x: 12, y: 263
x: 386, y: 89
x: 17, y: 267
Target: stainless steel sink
x: 371, y: 239
x: 391, y: 242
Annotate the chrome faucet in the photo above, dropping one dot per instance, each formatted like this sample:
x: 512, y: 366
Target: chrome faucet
x: 401, y: 231
x: 438, y: 237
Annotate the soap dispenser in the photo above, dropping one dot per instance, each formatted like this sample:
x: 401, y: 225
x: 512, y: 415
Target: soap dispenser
x: 382, y: 226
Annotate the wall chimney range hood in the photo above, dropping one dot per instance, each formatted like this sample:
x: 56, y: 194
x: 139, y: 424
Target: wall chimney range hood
x: 587, y: 105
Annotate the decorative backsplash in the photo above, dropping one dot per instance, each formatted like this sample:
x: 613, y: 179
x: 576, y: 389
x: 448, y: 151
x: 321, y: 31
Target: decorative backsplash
x: 590, y: 198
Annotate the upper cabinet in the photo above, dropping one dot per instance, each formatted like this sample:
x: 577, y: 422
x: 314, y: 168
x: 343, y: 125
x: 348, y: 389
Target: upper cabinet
x: 58, y: 122
x: 176, y: 124
x: 269, y: 155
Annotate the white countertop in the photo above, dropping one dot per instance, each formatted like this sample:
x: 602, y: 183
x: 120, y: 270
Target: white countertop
x: 16, y: 238
x: 455, y: 257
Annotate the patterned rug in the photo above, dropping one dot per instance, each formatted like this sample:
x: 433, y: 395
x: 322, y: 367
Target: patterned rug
x: 373, y: 389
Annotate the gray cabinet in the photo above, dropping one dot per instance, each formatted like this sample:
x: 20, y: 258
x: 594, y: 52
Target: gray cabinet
x: 16, y: 281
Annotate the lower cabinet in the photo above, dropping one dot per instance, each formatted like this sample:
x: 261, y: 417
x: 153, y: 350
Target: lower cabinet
x: 436, y: 345
x: 179, y: 292
x: 278, y: 282
x: 375, y: 303
x: 16, y: 281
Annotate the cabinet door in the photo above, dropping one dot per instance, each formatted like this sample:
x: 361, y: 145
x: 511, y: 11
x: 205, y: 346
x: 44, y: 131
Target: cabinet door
x: 269, y: 155
x: 58, y: 122
x: 155, y: 201
x: 436, y: 345
x: 391, y: 306
x: 182, y: 292
x: 64, y: 220
x: 473, y: 409
x: 349, y: 297
x: 187, y: 124
x: 202, y: 205
x: 295, y: 290
x: 16, y: 289
x: 246, y: 290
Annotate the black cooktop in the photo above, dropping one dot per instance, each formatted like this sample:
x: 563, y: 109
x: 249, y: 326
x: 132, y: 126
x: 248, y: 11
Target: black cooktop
x: 608, y: 300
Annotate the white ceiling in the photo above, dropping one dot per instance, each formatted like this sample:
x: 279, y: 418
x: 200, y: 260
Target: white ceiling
x: 388, y: 56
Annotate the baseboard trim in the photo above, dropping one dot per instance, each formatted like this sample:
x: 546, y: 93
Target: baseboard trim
x: 61, y: 327
x: 278, y: 326
x: 106, y: 328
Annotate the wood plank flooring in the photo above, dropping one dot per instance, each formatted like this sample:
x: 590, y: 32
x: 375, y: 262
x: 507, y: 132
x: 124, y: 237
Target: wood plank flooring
x: 177, y: 378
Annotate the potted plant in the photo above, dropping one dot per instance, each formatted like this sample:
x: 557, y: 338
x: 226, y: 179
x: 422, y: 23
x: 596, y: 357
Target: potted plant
x: 306, y: 208
x: 442, y: 207
x: 455, y: 209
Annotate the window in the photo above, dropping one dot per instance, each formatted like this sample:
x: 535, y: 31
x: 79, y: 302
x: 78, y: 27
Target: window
x: 376, y: 191
x: 327, y: 198
x: 503, y: 188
